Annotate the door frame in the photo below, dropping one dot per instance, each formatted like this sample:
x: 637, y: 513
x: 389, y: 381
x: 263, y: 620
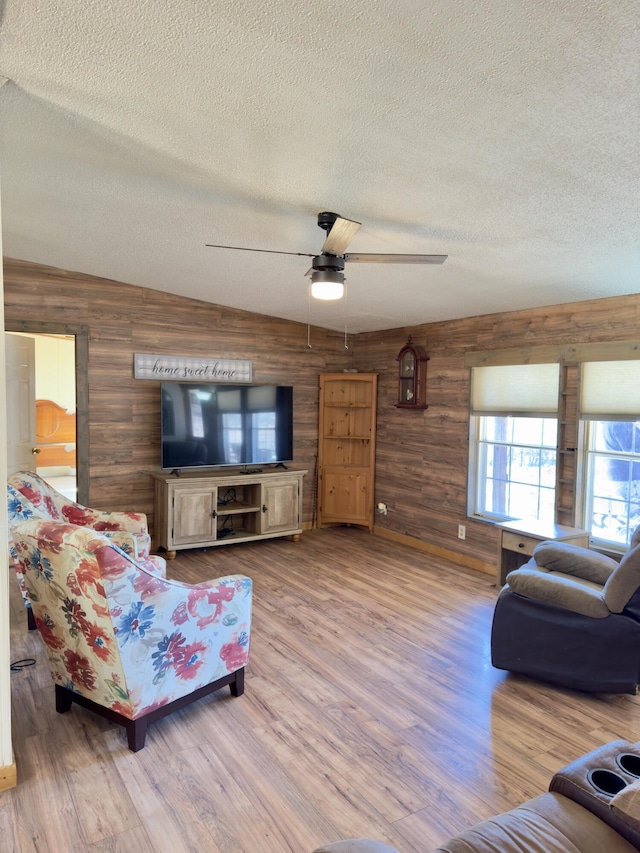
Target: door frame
x: 81, y: 334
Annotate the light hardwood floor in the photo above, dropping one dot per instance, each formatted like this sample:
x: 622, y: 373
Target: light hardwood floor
x: 371, y: 708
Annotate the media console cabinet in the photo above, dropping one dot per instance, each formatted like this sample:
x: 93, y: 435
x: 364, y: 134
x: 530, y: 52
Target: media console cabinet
x: 205, y: 509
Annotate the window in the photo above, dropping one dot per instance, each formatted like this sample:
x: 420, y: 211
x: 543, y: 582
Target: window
x: 515, y: 471
x: 513, y: 441
x: 569, y: 455
x: 609, y: 410
x: 612, y: 493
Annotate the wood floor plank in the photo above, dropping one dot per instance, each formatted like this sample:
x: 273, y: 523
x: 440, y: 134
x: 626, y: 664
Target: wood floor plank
x: 371, y: 708
x: 165, y: 811
x: 218, y: 800
x: 103, y: 806
x: 131, y: 839
x: 8, y: 823
x: 46, y: 818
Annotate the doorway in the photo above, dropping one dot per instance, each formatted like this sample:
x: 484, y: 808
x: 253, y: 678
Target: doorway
x: 61, y: 411
x: 41, y: 377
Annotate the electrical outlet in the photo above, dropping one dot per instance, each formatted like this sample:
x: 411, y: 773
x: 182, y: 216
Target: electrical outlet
x: 462, y: 531
x: 382, y: 509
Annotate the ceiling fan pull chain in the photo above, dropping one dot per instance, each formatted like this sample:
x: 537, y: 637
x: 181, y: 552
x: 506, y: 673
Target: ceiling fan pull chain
x: 309, y: 321
x: 344, y: 305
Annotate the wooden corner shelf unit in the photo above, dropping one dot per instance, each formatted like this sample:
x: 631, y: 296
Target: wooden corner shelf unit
x: 346, y: 448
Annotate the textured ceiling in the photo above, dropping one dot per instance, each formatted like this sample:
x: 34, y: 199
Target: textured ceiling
x: 504, y: 133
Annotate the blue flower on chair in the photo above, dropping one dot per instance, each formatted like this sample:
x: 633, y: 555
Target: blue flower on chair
x: 42, y: 566
x: 136, y: 623
x: 17, y: 510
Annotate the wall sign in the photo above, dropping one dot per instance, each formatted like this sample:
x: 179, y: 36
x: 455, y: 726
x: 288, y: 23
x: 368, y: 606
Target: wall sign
x: 147, y: 366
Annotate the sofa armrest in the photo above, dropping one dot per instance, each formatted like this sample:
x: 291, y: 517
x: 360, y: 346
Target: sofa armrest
x: 626, y: 805
x: 600, y: 783
x: 561, y: 590
x: 574, y: 560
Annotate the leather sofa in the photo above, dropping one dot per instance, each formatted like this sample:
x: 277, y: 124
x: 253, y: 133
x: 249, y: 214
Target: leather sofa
x: 592, y: 806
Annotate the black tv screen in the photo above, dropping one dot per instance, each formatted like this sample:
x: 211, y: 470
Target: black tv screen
x: 219, y: 424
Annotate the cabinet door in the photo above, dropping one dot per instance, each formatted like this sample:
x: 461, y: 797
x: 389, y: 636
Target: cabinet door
x: 194, y: 515
x: 280, y: 506
x: 346, y: 497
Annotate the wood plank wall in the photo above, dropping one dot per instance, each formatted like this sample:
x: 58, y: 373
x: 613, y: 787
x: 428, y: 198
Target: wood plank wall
x: 421, y: 461
x: 421, y: 457
x: 124, y: 413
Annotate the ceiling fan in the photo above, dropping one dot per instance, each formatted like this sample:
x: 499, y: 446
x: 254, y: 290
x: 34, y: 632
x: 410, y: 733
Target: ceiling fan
x: 326, y: 271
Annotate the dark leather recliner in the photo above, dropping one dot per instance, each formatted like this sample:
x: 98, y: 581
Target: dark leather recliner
x: 571, y: 617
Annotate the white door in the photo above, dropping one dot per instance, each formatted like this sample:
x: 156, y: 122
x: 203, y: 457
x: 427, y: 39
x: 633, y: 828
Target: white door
x: 21, y: 402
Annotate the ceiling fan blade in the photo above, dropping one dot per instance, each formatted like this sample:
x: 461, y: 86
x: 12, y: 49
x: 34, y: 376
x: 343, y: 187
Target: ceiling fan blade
x: 268, y: 251
x: 341, y: 234
x: 395, y: 259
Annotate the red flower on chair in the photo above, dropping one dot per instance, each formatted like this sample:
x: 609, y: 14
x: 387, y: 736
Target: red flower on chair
x: 207, y: 604
x: 80, y: 670
x: 235, y: 655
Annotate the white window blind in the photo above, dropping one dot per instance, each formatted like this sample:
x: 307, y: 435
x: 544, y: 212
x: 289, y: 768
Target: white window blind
x: 515, y: 389
x: 610, y: 390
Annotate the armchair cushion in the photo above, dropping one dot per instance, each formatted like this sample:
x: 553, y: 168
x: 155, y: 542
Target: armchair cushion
x: 574, y: 560
x: 562, y: 590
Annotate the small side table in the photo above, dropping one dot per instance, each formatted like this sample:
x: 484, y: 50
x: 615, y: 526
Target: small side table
x: 517, y: 539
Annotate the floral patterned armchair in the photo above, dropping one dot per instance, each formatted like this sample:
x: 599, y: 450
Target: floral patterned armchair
x: 127, y: 529
x: 30, y: 497
x: 122, y: 641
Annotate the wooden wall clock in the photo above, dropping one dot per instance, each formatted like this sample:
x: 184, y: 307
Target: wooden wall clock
x: 412, y: 377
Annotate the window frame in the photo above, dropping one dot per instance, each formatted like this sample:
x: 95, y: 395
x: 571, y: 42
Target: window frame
x: 584, y: 480
x: 477, y: 444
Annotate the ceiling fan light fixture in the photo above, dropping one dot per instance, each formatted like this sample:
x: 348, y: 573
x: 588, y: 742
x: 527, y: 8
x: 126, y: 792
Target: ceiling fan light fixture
x: 327, y: 284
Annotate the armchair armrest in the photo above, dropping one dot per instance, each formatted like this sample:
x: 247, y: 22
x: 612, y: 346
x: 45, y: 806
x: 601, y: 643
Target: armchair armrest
x: 574, y: 560
x: 137, y: 545
x: 127, y: 530
x: 155, y: 565
x: 561, y: 590
x: 82, y: 516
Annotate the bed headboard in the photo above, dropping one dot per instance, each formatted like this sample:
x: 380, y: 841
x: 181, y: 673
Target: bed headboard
x: 55, y: 435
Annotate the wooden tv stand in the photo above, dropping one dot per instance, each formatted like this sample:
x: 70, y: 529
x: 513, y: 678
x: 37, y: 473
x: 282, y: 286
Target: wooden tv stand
x: 207, y: 509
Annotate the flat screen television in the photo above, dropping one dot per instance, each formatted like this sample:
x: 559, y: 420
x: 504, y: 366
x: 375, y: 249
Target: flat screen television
x: 220, y: 424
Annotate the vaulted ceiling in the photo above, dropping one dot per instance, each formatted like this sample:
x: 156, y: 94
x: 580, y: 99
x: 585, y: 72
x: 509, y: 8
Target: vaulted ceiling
x: 502, y: 133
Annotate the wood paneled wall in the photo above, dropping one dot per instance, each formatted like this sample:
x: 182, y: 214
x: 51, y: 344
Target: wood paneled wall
x: 422, y: 457
x: 421, y: 462
x: 124, y: 413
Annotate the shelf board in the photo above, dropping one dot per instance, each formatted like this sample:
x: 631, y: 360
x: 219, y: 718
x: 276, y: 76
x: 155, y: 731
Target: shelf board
x: 237, y: 534
x: 236, y: 509
x: 343, y: 437
x: 348, y: 405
